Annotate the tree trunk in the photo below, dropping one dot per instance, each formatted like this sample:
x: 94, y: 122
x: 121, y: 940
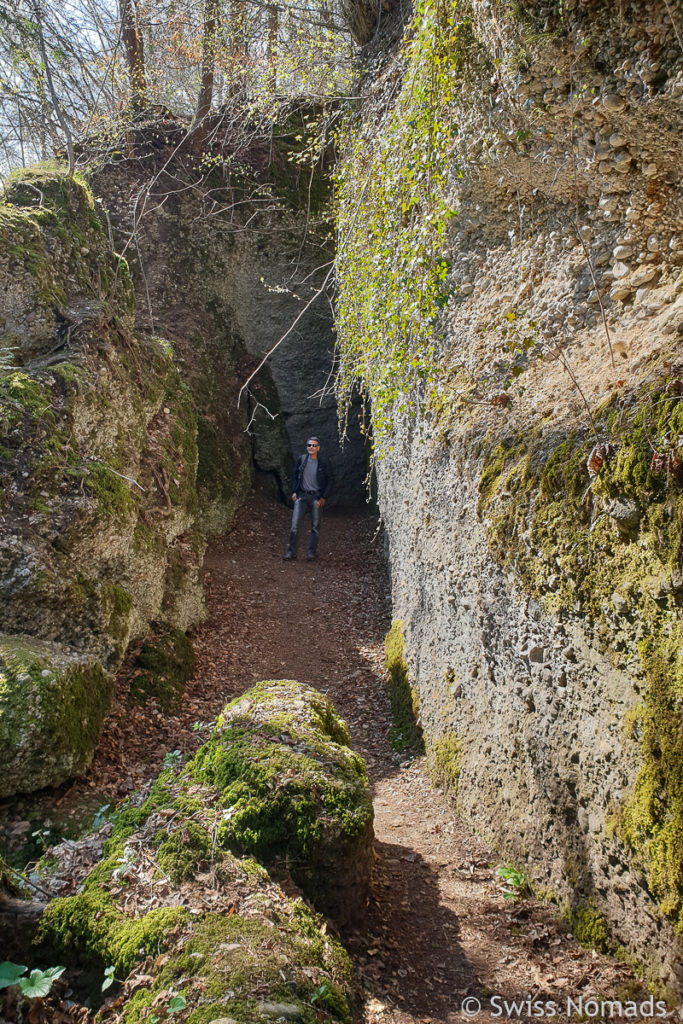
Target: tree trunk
x: 360, y: 17
x: 56, y: 105
x: 135, y: 55
x: 238, y: 47
x: 211, y: 14
x: 271, y: 57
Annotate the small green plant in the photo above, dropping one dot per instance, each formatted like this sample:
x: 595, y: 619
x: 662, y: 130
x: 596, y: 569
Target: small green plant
x: 175, y: 1005
x: 515, y: 879
x: 38, y: 983
x: 109, y: 978
x: 172, y: 759
x: 319, y: 992
x: 201, y: 726
x: 41, y: 837
x: 100, y: 815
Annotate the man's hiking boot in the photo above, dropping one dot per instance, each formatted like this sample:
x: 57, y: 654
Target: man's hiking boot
x: 310, y: 557
x: 290, y: 553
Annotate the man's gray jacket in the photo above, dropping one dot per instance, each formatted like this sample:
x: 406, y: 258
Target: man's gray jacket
x: 325, y: 477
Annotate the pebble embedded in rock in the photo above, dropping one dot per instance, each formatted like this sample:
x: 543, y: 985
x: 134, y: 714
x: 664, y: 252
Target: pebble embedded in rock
x: 613, y: 103
x: 620, y: 291
x: 642, y: 275
x: 287, y: 1010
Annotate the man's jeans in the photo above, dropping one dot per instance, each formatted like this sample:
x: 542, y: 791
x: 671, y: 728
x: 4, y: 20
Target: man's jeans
x: 303, y: 503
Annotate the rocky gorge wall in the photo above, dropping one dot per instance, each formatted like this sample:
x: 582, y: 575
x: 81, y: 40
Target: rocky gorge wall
x: 529, y: 428
x: 98, y: 462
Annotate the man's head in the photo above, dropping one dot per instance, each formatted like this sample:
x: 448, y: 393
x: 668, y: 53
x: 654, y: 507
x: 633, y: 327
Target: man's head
x: 312, y: 447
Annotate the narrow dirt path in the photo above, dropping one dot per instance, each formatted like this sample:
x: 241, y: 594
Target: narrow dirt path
x: 438, y: 930
x: 438, y: 927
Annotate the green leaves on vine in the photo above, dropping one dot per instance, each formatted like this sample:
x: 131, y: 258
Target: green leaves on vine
x: 392, y: 216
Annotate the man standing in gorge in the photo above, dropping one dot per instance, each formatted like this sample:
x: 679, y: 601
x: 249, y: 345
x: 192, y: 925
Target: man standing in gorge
x: 311, y: 485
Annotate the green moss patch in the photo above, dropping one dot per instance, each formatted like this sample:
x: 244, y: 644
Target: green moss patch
x: 405, y: 709
x: 590, y: 928
x: 89, y: 930
x: 161, y: 669
x: 651, y: 819
x: 180, y: 853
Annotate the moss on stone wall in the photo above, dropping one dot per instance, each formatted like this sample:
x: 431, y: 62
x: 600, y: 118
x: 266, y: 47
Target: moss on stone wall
x: 651, y: 819
x: 51, y: 711
x: 405, y: 708
x: 590, y: 927
x: 444, y: 760
x: 611, y: 549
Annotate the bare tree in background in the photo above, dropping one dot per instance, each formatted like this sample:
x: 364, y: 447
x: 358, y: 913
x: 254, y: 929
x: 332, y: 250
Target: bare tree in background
x: 205, y: 95
x: 135, y: 53
x: 70, y: 69
x: 271, y: 53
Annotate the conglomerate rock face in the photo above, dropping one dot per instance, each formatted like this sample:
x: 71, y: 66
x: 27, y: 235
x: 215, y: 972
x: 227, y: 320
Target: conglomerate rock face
x: 533, y: 507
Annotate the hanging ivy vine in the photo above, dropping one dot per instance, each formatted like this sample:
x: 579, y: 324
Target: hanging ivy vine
x: 392, y: 213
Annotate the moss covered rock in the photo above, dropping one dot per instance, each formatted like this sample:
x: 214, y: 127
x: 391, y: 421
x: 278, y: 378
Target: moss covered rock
x: 276, y: 780
x: 231, y: 946
x: 170, y: 900
x: 55, y: 259
x: 293, y: 790
x: 52, y: 705
x: 98, y: 463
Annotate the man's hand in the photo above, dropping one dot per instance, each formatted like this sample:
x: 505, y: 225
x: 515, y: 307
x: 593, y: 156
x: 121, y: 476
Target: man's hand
x: 294, y: 497
x: 320, y: 502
